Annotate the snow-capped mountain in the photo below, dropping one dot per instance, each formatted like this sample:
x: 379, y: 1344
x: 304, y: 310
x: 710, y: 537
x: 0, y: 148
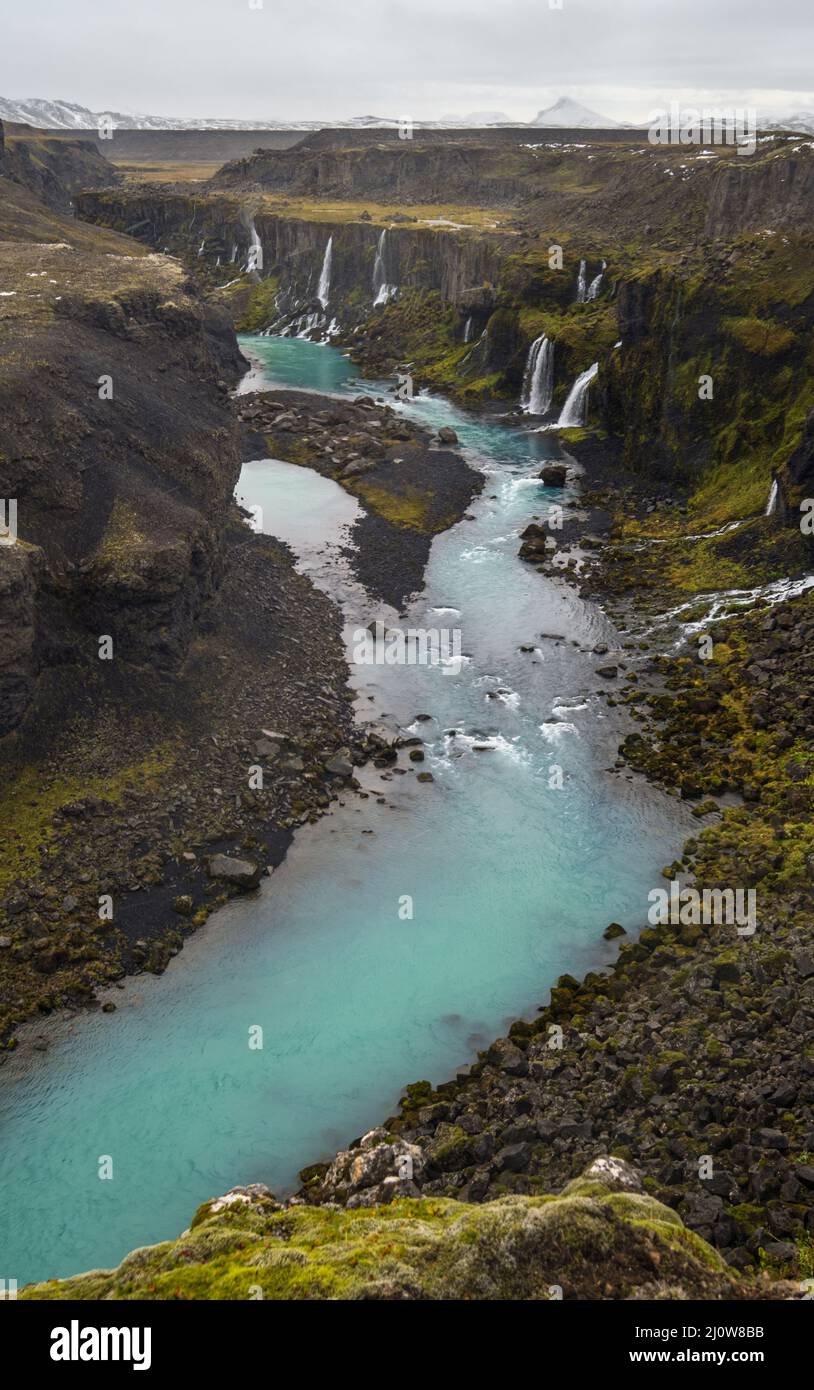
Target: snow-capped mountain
x: 801, y: 121
x: 68, y: 115
x: 572, y: 114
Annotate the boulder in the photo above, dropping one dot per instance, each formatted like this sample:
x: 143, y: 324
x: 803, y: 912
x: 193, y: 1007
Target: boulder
x: 554, y: 474
x: 241, y: 873
x: 340, y: 764
x: 447, y: 435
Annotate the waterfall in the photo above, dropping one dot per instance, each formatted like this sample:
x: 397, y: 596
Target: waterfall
x: 771, y: 505
x: 593, y: 288
x: 582, y: 282
x: 538, y: 379
x: 255, y: 258
x: 324, y: 287
x: 573, y: 412
x: 468, y: 330
x: 382, y: 291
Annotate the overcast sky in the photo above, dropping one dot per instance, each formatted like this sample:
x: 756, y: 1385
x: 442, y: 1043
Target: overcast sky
x: 332, y: 59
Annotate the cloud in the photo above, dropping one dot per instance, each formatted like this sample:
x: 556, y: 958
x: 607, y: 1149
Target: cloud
x: 335, y: 58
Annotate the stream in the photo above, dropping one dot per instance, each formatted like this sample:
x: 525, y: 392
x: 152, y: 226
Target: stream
x: 513, y: 860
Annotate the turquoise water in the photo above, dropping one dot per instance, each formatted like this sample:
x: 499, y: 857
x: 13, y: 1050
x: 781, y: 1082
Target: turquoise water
x: 512, y: 881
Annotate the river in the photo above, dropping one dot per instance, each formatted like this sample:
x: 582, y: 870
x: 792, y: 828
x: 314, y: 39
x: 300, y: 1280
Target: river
x: 397, y: 938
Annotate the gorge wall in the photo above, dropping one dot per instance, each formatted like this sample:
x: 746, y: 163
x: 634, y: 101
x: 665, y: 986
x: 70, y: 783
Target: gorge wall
x: 117, y: 444
x: 707, y: 276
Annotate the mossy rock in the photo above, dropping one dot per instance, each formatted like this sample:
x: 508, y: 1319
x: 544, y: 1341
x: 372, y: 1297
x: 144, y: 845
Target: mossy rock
x: 590, y: 1241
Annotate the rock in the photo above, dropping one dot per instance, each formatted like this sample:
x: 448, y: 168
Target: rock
x: 183, y: 905
x: 371, y: 1165
x: 390, y: 1190
x: 554, y: 474
x: 701, y: 1209
x: 804, y: 961
x: 607, y: 673
x: 612, y: 931
x: 784, y: 1250
x: 615, y: 1173
x: 514, y: 1158
x: 425, y: 777
x: 353, y: 470
x: 267, y: 748
x: 252, y: 1195
x: 242, y: 873
x: 504, y: 1055
x: 722, y: 1184
x: 5, y: 943
x: 416, y: 755
x: 771, y: 1139
x: 447, y: 435
x: 340, y: 764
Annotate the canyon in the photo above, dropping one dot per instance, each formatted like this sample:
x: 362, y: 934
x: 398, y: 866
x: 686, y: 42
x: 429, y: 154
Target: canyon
x: 435, y: 261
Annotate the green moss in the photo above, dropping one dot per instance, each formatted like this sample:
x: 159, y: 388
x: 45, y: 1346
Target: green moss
x: 515, y: 1247
x: 762, y: 337
x: 259, y: 305
x: 31, y: 796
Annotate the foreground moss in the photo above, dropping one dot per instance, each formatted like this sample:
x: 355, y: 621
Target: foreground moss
x: 588, y: 1242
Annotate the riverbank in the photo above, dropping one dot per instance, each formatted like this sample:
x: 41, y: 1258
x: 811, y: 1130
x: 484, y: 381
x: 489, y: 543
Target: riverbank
x: 411, y: 484
x: 690, y: 1055
x: 116, y: 814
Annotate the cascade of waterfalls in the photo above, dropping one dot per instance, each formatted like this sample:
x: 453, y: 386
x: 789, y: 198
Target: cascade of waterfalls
x: 538, y: 379
x: 573, y: 412
x: 468, y: 330
x: 324, y: 287
x: 595, y: 285
x: 582, y: 282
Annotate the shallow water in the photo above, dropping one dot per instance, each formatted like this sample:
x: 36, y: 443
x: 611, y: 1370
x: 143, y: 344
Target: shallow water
x: 512, y: 880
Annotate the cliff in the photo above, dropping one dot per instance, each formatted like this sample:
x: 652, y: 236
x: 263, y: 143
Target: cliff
x: 120, y: 452
x: 53, y: 167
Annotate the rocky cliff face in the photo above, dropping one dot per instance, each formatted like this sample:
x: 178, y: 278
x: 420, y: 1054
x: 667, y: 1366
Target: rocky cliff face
x: 214, y: 233
x: 400, y: 172
x: 53, y: 167
x: 117, y: 444
x: 778, y: 192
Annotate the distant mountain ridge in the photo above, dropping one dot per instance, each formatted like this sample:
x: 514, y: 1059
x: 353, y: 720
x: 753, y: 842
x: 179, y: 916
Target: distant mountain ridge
x: 564, y: 113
